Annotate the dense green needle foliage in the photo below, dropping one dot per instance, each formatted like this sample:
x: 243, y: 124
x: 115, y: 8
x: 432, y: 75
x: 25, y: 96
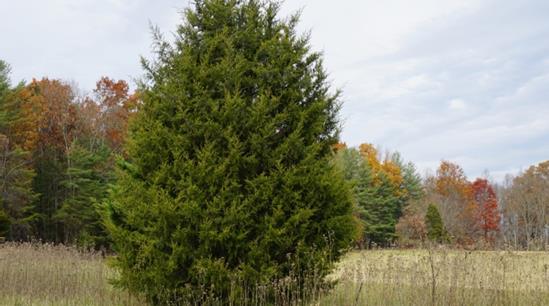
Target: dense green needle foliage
x: 229, y: 175
x: 435, y: 227
x: 87, y: 181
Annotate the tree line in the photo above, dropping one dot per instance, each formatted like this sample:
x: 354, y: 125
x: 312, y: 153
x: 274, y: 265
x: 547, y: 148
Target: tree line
x: 397, y: 206
x: 58, y: 153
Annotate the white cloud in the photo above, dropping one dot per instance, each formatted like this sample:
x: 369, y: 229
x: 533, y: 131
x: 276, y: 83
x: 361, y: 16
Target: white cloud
x: 457, y: 104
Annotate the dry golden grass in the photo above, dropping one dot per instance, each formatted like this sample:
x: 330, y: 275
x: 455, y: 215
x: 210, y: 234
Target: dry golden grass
x: 441, y: 277
x: 43, y: 274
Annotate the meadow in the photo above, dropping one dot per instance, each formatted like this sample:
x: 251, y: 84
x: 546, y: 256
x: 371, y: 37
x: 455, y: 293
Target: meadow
x: 441, y: 277
x: 44, y: 274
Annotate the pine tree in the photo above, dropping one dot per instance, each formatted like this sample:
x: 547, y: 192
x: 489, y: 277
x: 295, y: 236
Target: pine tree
x: 87, y: 181
x: 435, y: 227
x: 384, y: 211
x: 228, y: 173
x: 359, y: 176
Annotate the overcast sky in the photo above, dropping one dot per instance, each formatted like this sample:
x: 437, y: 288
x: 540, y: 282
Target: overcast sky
x: 464, y: 80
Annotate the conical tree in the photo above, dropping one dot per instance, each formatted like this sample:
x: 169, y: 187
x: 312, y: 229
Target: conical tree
x: 228, y: 175
x: 435, y: 227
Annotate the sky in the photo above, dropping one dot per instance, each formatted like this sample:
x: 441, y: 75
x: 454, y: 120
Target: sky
x: 460, y: 80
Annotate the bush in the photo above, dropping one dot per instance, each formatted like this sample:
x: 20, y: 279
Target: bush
x: 229, y: 179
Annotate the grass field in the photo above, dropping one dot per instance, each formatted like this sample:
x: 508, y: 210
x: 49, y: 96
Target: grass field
x: 442, y: 277
x: 32, y: 274
x: 42, y: 274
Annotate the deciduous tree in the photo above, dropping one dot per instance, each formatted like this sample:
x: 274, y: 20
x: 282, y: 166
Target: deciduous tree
x: 116, y: 107
x: 526, y: 207
x: 458, y: 210
x: 488, y: 215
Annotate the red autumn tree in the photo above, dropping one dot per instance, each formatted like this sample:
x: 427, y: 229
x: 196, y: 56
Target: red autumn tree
x: 488, y: 215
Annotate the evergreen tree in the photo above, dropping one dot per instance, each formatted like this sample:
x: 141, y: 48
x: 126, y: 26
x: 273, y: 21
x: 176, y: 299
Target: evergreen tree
x: 359, y: 177
x: 228, y: 173
x: 87, y: 181
x: 16, y: 174
x: 378, y: 200
x: 383, y: 210
x: 411, y: 180
x: 4, y: 80
x: 16, y: 189
x: 435, y: 227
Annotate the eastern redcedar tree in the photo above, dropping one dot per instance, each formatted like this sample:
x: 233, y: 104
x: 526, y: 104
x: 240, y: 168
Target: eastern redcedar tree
x: 228, y: 175
x: 435, y: 226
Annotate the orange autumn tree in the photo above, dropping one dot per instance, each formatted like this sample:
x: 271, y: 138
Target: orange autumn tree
x: 386, y: 167
x: 57, y: 119
x: 116, y: 107
x: 27, y: 112
x: 339, y: 147
x: 488, y: 215
x: 453, y: 194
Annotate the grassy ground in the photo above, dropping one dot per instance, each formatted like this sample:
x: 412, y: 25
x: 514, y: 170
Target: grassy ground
x: 442, y: 277
x: 42, y: 274
x: 57, y: 275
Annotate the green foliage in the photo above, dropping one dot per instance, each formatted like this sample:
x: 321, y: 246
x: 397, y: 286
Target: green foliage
x: 16, y: 189
x: 16, y: 174
x: 383, y: 209
x: 4, y: 79
x: 378, y: 201
x: 435, y: 227
x: 87, y: 180
x: 229, y: 174
x: 5, y: 224
x: 50, y: 168
x: 411, y: 180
